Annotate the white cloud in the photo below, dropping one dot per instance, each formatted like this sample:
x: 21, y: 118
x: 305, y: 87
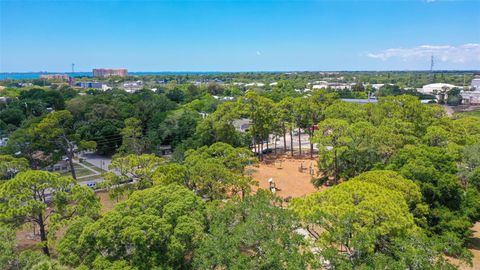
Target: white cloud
x: 259, y: 53
x: 465, y: 53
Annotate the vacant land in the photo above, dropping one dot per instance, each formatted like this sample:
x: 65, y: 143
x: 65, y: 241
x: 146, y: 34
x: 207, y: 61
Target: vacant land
x: 474, y: 246
x: 285, y: 173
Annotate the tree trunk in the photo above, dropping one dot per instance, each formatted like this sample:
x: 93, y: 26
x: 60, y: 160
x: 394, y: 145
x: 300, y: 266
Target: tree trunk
x: 335, y: 173
x: 311, y: 144
x: 43, y: 235
x: 72, y: 168
x: 284, y: 137
x: 261, y: 150
x: 275, y: 145
x: 291, y: 142
x: 300, y: 141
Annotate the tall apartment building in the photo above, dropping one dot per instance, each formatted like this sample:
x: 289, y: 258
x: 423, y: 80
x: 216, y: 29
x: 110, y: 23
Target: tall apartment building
x: 107, y: 72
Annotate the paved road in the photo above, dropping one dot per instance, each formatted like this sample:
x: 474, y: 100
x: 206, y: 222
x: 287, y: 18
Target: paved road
x: 99, y: 161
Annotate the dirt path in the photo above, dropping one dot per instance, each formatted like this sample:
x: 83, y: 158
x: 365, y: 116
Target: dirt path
x: 474, y: 247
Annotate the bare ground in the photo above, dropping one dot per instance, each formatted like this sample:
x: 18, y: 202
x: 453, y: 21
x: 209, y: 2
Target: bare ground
x: 284, y: 171
x: 474, y: 247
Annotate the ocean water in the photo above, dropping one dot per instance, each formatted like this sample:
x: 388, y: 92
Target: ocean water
x: 36, y: 75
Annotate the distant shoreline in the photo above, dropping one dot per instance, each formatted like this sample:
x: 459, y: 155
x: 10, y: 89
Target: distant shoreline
x: 36, y: 75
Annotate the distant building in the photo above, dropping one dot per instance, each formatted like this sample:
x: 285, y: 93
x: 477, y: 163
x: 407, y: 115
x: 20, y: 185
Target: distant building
x: 3, y: 99
x: 255, y: 84
x: 435, y: 88
x: 61, y: 166
x: 25, y: 84
x: 336, y: 86
x: 242, y: 125
x: 360, y: 100
x: 132, y: 87
x: 471, y: 97
x: 225, y: 98
x: 439, y: 90
x: 55, y: 77
x: 107, y: 72
x: 476, y: 84
x: 94, y: 85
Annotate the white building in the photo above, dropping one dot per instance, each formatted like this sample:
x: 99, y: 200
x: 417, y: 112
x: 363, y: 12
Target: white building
x: 242, y: 125
x: 435, y: 88
x: 255, y: 84
x: 132, y: 87
x: 476, y: 84
x: 439, y: 90
x: 471, y: 97
x: 225, y: 98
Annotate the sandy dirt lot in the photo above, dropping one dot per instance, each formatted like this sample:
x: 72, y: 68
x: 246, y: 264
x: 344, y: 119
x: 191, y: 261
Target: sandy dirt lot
x: 285, y: 172
x: 474, y: 247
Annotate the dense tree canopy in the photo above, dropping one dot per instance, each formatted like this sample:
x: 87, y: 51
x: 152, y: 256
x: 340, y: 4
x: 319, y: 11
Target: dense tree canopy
x: 47, y: 200
x: 252, y: 234
x: 154, y: 228
x: 403, y: 177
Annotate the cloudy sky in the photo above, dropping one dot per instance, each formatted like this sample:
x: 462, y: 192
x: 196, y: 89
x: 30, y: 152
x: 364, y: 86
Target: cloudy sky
x: 162, y: 35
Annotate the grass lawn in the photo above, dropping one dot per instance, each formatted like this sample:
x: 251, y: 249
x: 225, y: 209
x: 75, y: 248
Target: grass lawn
x: 472, y: 113
x: 90, y: 178
x: 80, y: 171
x: 90, y: 165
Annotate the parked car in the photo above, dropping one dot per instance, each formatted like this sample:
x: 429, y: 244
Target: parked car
x: 91, y: 185
x: 267, y: 151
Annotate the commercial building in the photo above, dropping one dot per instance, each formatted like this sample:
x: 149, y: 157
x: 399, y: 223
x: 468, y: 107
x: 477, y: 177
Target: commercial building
x: 107, y: 72
x: 55, y: 77
x: 439, y: 90
x: 435, y: 88
x: 476, y: 84
x: 471, y: 97
x: 95, y: 85
x: 132, y: 87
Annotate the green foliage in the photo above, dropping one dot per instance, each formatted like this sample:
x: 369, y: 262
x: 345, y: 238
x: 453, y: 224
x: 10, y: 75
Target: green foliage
x: 364, y: 225
x: 58, y: 128
x: 132, y: 137
x: 155, y: 228
x: 252, y: 234
x: 9, y: 166
x: 218, y: 171
x: 131, y: 172
x: 45, y: 199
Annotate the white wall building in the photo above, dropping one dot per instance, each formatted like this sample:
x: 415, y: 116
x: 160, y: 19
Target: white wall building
x: 435, y: 88
x: 471, y: 97
x: 476, y: 84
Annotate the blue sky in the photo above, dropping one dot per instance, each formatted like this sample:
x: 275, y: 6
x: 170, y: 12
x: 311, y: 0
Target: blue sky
x: 238, y: 35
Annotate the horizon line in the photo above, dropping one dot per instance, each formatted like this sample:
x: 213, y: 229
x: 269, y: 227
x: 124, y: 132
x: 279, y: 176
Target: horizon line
x: 254, y: 71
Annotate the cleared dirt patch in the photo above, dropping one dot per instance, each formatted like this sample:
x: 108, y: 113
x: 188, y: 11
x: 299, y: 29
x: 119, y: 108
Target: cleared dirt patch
x: 290, y: 180
x: 474, y: 246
